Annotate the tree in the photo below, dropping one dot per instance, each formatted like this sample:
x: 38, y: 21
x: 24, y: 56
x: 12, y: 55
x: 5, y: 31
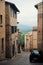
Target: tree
x: 22, y: 39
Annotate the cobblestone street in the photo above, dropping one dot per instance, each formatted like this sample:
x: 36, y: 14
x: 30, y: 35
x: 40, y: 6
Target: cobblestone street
x: 21, y: 59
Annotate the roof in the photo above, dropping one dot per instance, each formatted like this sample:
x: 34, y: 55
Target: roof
x: 36, y: 6
x: 12, y: 5
x: 34, y: 29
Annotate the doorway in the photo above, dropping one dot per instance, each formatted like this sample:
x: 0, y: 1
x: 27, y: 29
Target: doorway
x: 13, y: 49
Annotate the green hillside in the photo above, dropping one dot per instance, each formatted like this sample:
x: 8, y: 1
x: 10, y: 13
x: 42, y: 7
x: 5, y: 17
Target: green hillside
x: 24, y: 29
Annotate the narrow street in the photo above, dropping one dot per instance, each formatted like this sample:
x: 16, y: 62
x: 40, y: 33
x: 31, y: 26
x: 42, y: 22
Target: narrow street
x: 21, y: 59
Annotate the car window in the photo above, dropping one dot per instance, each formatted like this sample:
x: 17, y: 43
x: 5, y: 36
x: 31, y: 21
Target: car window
x: 36, y: 52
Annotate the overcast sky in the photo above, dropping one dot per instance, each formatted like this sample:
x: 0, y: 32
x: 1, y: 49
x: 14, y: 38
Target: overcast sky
x: 28, y: 13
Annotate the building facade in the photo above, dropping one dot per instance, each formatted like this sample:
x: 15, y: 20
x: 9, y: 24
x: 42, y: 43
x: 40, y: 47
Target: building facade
x: 34, y: 36
x: 18, y: 40
x: 26, y: 45
x: 31, y: 39
x: 2, y: 29
x: 40, y: 25
x: 8, y: 29
x: 28, y: 41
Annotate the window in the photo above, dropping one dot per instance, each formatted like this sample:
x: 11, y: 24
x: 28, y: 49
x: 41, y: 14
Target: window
x: 13, y: 29
x: 2, y: 44
x: 0, y: 19
x: 13, y: 13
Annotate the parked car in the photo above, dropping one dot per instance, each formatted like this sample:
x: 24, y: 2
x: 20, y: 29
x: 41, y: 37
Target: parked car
x: 36, y: 56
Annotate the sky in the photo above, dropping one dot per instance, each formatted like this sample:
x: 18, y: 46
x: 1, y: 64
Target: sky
x: 28, y: 13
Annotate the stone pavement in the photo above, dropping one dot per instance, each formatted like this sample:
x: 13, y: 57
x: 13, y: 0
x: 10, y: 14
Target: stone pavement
x: 21, y: 59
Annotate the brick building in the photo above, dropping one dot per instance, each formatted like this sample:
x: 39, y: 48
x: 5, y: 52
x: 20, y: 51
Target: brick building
x: 8, y: 29
x: 39, y: 7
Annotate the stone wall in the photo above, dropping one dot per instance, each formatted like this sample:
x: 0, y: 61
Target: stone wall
x: 2, y: 29
x: 40, y: 26
x: 8, y: 33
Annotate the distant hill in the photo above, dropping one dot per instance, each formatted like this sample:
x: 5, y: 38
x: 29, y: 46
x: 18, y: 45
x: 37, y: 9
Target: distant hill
x: 24, y: 28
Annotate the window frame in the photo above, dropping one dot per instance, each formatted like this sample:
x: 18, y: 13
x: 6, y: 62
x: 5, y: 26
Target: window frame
x: 13, y: 29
